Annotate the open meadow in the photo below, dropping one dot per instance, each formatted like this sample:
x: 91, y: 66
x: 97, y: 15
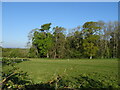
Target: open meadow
x: 43, y: 70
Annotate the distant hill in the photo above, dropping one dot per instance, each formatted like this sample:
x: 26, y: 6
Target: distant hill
x: 15, y: 52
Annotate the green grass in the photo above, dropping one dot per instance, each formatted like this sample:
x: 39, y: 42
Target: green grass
x: 43, y: 70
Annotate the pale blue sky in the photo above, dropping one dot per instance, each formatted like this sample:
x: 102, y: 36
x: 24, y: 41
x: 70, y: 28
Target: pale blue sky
x: 20, y: 18
x: 60, y: 0
x: 0, y: 23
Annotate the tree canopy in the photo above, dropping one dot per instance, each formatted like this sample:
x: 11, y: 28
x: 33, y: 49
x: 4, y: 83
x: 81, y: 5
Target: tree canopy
x: 92, y: 40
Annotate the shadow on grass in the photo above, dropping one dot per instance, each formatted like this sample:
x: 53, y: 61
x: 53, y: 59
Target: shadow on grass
x: 6, y: 61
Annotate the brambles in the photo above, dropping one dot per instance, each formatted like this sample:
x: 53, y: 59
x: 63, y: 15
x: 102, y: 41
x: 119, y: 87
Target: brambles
x: 13, y: 78
x: 86, y: 81
x: 82, y: 81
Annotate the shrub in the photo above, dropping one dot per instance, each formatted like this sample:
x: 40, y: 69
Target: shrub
x: 13, y: 78
x: 83, y: 81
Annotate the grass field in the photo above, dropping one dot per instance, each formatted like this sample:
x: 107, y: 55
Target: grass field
x: 42, y: 70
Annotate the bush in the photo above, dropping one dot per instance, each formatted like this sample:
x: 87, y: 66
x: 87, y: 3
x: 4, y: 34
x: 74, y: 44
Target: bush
x: 83, y: 81
x: 13, y: 78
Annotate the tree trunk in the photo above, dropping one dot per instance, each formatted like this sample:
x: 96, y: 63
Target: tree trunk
x: 55, y: 55
x: 90, y: 57
x: 47, y: 55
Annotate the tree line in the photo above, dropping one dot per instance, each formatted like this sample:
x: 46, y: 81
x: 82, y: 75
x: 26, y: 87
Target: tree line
x: 91, y: 40
x: 15, y: 52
